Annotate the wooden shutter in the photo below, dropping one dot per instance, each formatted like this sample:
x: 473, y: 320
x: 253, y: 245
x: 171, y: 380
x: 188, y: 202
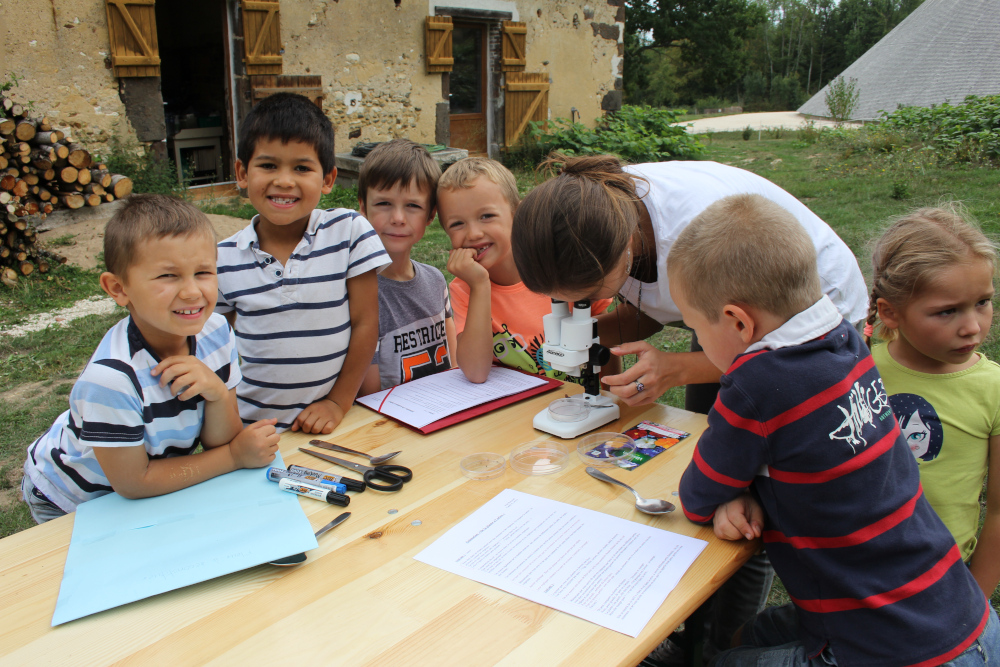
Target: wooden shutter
x: 514, y: 36
x: 437, y: 43
x: 261, y: 37
x: 526, y: 98
x: 132, y: 32
x: 308, y: 86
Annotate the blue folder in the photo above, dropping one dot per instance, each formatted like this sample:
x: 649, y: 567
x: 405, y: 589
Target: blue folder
x: 126, y: 550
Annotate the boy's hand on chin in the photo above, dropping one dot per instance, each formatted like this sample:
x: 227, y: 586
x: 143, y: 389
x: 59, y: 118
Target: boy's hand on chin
x: 191, y: 375
x: 321, y: 417
x: 462, y: 264
x: 254, y: 446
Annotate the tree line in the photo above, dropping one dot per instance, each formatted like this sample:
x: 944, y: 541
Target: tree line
x: 760, y: 54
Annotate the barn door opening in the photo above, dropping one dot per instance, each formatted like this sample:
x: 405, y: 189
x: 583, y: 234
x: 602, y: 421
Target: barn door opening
x: 467, y: 88
x: 194, y: 81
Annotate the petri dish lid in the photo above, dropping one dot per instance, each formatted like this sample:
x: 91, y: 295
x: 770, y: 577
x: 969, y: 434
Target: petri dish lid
x: 605, y: 450
x: 483, y: 466
x: 569, y: 409
x: 539, y: 457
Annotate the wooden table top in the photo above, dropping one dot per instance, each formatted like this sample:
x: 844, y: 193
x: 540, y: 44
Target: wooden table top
x: 361, y: 598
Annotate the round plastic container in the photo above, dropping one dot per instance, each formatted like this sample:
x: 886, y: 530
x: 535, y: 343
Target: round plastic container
x: 539, y: 457
x: 605, y: 450
x: 569, y: 409
x: 483, y: 466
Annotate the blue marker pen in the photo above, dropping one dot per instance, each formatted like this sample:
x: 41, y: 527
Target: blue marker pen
x: 278, y: 474
x: 351, y: 484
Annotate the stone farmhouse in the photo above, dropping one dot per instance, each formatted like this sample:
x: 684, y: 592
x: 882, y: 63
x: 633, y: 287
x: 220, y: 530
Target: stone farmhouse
x: 179, y: 75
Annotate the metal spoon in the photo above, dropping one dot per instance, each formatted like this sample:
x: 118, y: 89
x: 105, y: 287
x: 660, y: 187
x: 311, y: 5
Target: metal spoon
x: 374, y: 460
x: 649, y: 506
x: 295, y: 559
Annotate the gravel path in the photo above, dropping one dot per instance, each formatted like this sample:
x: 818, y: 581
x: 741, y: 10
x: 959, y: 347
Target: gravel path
x: 95, y: 305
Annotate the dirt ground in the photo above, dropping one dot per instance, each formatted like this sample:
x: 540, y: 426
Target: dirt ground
x: 88, y: 237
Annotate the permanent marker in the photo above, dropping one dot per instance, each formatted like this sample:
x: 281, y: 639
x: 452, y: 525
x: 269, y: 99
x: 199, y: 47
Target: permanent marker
x: 316, y: 479
x: 312, y: 491
x: 351, y: 484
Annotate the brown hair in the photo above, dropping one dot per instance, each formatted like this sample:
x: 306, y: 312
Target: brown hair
x: 465, y: 171
x: 915, y: 247
x: 399, y: 162
x: 745, y: 249
x: 572, y: 230
x: 146, y: 217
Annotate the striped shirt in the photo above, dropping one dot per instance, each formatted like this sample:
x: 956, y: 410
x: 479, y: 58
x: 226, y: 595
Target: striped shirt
x: 293, y: 322
x: 805, y: 423
x: 117, y: 403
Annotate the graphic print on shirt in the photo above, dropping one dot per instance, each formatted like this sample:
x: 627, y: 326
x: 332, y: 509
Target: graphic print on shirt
x: 509, y: 350
x: 865, y: 404
x: 920, y: 424
x: 420, y: 348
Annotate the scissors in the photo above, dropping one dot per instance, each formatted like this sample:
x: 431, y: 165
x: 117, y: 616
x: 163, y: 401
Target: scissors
x: 395, y: 475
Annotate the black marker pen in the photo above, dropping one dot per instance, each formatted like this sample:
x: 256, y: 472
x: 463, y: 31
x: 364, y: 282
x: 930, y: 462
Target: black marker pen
x: 319, y: 493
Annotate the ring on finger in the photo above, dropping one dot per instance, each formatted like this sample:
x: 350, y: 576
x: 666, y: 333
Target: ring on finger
x: 639, y: 387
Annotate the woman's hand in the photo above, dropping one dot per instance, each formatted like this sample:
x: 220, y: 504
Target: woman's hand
x: 655, y: 371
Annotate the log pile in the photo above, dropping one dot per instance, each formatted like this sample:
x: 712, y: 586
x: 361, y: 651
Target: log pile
x: 42, y: 169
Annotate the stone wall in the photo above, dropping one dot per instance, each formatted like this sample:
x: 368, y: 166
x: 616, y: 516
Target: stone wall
x: 369, y: 53
x: 61, y: 49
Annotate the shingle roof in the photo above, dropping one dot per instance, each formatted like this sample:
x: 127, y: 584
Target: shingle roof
x: 943, y: 51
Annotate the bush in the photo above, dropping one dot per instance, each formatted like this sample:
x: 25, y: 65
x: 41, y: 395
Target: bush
x: 842, y: 98
x: 967, y: 132
x: 634, y: 133
x: 747, y: 133
x: 711, y: 103
x: 785, y: 93
x: 148, y: 172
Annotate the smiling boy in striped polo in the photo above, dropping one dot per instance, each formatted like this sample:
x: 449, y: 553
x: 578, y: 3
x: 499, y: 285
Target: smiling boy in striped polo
x: 802, y: 449
x: 298, y: 284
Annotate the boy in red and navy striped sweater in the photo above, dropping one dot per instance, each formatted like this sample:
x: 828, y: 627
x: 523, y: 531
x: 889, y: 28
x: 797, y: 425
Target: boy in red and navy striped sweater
x: 803, y: 449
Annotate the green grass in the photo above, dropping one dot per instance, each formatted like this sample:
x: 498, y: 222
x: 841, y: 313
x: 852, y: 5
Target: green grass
x: 60, y: 287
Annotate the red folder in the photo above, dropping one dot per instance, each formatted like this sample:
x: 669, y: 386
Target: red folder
x: 483, y: 408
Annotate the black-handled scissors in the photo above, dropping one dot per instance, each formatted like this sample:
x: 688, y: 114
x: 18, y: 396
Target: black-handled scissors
x: 395, y: 475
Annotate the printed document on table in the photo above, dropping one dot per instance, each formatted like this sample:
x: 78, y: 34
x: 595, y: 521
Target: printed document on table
x: 603, y: 569
x: 425, y: 401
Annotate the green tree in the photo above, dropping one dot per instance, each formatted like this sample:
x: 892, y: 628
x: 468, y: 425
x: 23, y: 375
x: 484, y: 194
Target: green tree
x: 708, y: 34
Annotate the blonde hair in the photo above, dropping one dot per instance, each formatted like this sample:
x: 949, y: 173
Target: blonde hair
x: 915, y: 247
x: 146, y: 217
x: 465, y: 171
x: 573, y: 230
x: 745, y: 249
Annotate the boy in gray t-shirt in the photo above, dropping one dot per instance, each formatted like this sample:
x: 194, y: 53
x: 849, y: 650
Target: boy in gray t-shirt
x: 397, y: 187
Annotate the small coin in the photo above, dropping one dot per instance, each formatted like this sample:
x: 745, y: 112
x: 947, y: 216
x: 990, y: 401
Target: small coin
x: 673, y: 493
x: 416, y: 523
x: 393, y: 511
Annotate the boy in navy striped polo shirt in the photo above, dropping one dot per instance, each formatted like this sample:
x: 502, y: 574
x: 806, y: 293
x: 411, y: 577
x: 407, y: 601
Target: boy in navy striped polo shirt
x: 803, y: 449
x: 161, y: 381
x: 298, y: 284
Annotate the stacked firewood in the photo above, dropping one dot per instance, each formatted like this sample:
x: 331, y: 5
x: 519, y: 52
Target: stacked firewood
x: 42, y: 169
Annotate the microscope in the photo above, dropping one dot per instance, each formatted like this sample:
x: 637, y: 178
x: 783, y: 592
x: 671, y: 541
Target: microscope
x: 573, y: 347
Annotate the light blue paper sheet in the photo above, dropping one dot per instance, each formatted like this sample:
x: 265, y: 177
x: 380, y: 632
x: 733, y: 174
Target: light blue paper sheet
x: 126, y: 550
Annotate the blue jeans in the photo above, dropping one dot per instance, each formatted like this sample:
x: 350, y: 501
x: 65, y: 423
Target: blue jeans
x: 772, y: 639
x: 42, y: 509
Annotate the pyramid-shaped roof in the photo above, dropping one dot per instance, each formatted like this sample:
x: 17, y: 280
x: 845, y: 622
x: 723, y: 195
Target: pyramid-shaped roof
x: 943, y: 51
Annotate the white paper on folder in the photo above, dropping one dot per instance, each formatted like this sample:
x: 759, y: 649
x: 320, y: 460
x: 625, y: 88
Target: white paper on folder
x: 600, y: 568
x: 433, y: 397
x: 126, y: 550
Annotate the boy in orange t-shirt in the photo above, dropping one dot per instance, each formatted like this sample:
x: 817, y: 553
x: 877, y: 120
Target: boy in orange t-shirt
x: 496, y: 316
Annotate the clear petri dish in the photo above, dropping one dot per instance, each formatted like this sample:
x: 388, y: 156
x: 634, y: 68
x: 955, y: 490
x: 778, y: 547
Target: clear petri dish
x: 539, y: 457
x: 483, y: 466
x: 605, y: 450
x: 569, y: 409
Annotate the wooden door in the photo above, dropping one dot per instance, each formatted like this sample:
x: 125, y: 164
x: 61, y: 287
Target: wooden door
x: 467, y: 87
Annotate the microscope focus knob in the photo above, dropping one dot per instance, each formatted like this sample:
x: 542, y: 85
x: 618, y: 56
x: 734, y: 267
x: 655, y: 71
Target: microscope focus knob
x: 599, y: 355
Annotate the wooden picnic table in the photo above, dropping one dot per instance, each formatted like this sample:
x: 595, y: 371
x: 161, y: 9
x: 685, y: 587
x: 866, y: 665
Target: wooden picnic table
x: 361, y: 598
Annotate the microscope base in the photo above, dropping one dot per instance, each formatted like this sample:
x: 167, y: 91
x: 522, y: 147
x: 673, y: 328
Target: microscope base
x: 597, y: 417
